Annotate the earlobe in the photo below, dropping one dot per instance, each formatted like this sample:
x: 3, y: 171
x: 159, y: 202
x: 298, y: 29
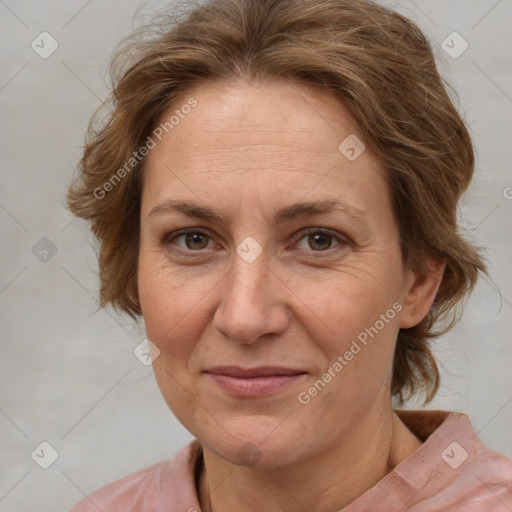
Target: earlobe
x: 420, y: 293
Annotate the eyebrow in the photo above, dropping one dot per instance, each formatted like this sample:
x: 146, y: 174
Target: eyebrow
x: 293, y: 211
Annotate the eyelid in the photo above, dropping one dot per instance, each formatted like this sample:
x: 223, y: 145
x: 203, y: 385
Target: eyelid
x: 342, y: 240
x: 168, y: 239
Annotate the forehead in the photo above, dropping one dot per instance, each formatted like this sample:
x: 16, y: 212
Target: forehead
x: 226, y: 114
x: 261, y: 140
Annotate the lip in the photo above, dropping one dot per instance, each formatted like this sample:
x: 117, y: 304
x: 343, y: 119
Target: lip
x: 259, y: 381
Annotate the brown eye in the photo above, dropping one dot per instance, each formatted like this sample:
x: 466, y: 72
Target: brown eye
x: 196, y: 241
x: 318, y: 240
x: 192, y: 240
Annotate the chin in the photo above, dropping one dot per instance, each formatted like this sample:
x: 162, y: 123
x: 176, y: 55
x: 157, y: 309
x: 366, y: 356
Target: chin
x: 261, y: 442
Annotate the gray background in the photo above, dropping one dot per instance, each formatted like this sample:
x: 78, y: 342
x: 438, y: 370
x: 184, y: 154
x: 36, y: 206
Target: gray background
x: 67, y: 374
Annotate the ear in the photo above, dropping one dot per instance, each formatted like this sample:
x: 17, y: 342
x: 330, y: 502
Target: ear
x: 420, y: 293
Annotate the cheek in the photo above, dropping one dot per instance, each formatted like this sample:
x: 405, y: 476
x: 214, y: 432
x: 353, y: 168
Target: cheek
x: 172, y: 311
x: 355, y: 318
x: 350, y: 303
x: 177, y: 306
x: 356, y: 364
x: 355, y: 328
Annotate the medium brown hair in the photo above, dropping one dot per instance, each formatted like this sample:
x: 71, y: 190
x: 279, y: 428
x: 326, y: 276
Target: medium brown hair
x: 377, y: 62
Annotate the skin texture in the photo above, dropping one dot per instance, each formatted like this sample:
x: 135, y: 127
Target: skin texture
x: 246, y: 151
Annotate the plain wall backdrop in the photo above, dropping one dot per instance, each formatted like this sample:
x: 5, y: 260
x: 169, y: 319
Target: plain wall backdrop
x: 68, y: 376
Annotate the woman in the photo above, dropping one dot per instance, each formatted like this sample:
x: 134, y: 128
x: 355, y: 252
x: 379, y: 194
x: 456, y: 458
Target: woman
x: 275, y: 193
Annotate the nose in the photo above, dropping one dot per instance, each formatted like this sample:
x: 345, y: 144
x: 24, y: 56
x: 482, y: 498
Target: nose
x: 252, y: 302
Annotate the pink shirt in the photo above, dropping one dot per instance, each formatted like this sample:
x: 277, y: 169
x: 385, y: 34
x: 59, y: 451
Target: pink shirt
x: 452, y: 471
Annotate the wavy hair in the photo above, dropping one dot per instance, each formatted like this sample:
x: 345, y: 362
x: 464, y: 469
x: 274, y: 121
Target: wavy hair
x: 376, y: 61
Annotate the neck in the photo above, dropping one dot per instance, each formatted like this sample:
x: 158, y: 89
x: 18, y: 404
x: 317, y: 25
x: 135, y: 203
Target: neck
x: 326, y: 482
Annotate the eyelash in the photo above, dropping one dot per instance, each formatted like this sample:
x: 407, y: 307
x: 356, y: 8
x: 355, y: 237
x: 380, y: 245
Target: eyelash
x: 341, y: 241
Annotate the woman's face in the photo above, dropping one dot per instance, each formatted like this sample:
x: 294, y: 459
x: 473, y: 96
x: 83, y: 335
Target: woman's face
x: 270, y: 275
